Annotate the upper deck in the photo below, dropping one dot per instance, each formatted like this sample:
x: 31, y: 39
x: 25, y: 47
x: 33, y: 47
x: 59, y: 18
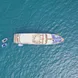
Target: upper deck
x: 33, y: 38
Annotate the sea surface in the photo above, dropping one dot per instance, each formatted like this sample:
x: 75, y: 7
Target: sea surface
x: 39, y: 16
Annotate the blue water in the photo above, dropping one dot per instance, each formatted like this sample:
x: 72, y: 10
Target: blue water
x: 40, y: 16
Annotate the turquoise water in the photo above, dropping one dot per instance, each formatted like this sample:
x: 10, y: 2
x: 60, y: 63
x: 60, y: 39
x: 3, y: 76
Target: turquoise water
x: 50, y: 16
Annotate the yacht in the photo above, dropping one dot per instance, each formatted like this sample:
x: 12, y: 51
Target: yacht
x: 37, y: 38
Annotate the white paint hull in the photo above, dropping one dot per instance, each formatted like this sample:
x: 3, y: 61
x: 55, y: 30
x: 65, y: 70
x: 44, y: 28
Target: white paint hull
x: 34, y: 38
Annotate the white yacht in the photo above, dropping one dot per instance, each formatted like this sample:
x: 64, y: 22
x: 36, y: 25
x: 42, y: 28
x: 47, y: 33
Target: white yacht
x: 37, y: 38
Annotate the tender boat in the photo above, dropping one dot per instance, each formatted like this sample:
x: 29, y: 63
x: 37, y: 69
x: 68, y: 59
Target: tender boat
x: 37, y: 38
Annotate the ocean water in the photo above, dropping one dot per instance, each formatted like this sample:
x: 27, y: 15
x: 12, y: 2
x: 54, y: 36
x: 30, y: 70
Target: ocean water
x: 40, y: 16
